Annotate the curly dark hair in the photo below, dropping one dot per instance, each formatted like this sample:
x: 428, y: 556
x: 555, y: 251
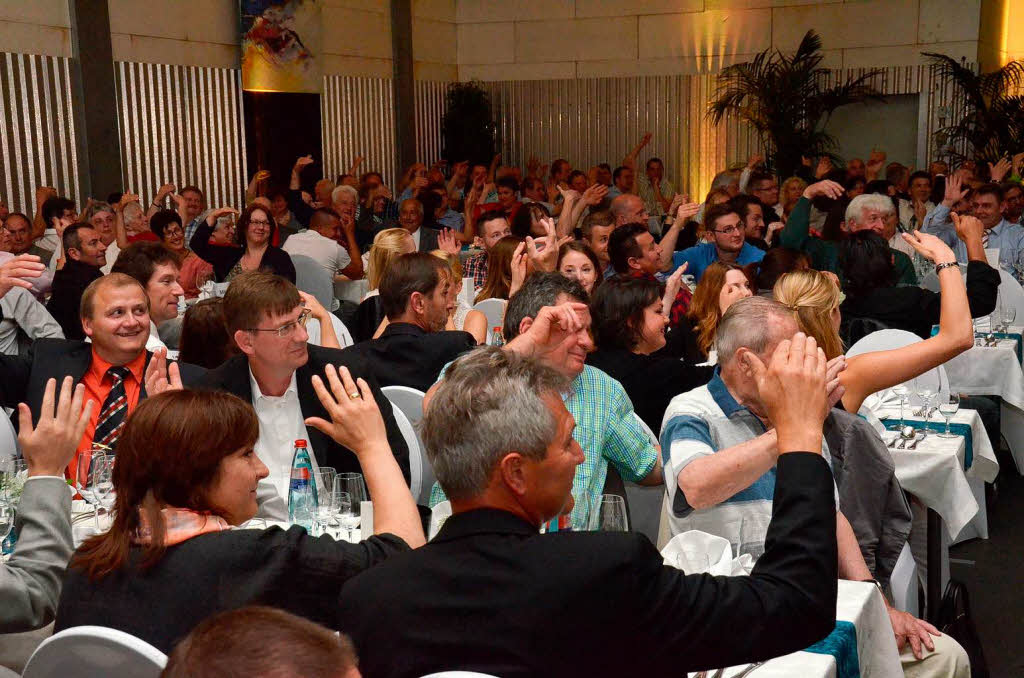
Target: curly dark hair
x: 617, y: 311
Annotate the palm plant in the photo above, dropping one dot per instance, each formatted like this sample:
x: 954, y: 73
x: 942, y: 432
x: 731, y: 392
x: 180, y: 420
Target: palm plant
x: 788, y: 101
x: 992, y: 125
x: 467, y: 128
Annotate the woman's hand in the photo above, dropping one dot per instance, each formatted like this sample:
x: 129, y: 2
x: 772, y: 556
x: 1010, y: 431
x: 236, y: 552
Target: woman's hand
x: 930, y: 247
x: 447, y: 242
x: 49, y: 447
x: 212, y: 217
x: 519, y: 269
x: 356, y: 422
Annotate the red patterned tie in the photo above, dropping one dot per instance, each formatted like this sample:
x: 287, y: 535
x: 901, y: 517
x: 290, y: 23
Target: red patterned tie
x: 112, y: 414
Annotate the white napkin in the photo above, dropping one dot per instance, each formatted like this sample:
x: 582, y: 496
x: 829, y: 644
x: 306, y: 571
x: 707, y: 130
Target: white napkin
x: 212, y: 290
x: 438, y: 515
x: 695, y: 552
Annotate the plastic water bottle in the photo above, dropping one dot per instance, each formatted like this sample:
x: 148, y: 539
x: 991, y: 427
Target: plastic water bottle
x: 496, y: 337
x: 302, y: 498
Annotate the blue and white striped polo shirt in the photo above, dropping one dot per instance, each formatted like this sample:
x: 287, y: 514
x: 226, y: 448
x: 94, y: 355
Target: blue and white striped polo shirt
x: 699, y: 423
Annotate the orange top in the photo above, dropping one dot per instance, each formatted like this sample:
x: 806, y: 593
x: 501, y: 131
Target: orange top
x: 97, y: 387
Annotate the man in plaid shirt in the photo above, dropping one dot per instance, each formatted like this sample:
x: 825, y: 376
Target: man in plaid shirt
x: 493, y: 226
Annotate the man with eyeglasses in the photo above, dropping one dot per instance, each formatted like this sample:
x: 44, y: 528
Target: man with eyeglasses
x: 728, y: 244
x: 266, y: 319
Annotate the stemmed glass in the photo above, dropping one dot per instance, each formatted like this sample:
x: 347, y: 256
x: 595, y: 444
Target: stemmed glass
x: 103, y: 483
x: 948, y: 406
x: 85, y: 480
x: 1009, y: 314
x: 351, y: 484
x: 902, y: 391
x: 609, y: 515
x: 926, y: 390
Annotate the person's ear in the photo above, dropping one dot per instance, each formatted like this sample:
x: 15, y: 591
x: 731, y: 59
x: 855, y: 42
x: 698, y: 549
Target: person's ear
x: 514, y: 473
x: 525, y: 324
x: 74, y: 253
x: 87, y: 326
x: 418, y: 303
x: 243, y: 340
x: 744, y: 362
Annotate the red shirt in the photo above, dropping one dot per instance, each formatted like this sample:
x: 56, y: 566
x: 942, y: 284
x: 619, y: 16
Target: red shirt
x: 145, y: 235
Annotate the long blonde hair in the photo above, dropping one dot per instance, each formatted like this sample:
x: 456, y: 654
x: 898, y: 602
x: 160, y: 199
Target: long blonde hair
x: 812, y: 296
x: 387, y: 245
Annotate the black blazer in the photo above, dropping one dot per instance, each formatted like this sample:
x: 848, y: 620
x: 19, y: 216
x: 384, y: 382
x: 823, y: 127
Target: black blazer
x: 68, y: 285
x: 224, y: 258
x: 233, y: 377
x: 428, y: 239
x: 406, y: 355
x: 221, y: 571
x: 489, y: 594
x: 23, y: 379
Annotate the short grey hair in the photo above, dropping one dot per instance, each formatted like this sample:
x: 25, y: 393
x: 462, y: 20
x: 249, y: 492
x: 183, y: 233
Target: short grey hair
x: 747, y: 324
x: 868, y: 201
x: 344, y: 189
x: 97, y: 207
x: 724, y: 179
x: 538, y: 290
x: 490, y: 403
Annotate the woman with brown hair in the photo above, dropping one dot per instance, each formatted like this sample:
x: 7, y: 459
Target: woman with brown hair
x: 577, y: 261
x: 253, y: 250
x: 186, y: 474
x: 721, y: 285
x: 499, y: 281
x: 204, y: 337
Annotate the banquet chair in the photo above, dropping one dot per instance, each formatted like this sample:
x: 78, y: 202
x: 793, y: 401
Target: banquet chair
x: 410, y: 402
x: 645, y: 503
x: 344, y: 336
x: 94, y: 652
x: 1010, y: 291
x: 311, y: 278
x: 468, y: 292
x: 885, y: 340
x: 494, y: 309
x: 8, y: 439
x: 903, y: 583
x: 415, y: 454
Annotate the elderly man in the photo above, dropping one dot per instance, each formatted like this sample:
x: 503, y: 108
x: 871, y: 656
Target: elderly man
x: 415, y: 296
x: 265, y: 318
x: 865, y: 212
x: 607, y: 430
x: 410, y: 217
x: 86, y: 254
x: 19, y: 231
x: 729, y: 243
x: 987, y: 203
x: 501, y: 440
x: 721, y: 445
x: 492, y: 226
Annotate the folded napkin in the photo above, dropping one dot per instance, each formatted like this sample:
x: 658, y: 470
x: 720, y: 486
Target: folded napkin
x: 940, y: 426
x: 440, y: 513
x: 695, y: 552
x: 841, y: 644
x: 876, y: 402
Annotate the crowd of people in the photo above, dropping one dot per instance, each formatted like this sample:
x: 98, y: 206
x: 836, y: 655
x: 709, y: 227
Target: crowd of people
x: 174, y: 333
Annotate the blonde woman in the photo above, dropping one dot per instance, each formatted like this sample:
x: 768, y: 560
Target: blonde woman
x: 463, y: 317
x: 387, y: 246
x: 815, y: 298
x: 792, y: 189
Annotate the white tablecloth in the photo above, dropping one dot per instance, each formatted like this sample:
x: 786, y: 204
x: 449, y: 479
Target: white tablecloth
x: 995, y: 371
x: 861, y: 604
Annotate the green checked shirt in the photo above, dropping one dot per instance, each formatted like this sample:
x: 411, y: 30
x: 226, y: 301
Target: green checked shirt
x: 608, y: 432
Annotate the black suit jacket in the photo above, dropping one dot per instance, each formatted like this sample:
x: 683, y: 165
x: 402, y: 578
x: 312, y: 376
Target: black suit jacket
x: 23, y: 379
x: 489, y: 594
x: 220, y: 571
x: 68, y: 285
x: 428, y: 239
x: 407, y: 355
x: 233, y: 377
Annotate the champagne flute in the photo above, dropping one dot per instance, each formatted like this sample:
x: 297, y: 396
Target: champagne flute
x: 609, y: 515
x: 948, y: 406
x: 351, y: 484
x: 84, y: 481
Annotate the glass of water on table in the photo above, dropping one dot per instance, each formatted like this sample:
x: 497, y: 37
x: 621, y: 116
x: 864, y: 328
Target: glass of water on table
x: 350, y: 484
x: 948, y: 406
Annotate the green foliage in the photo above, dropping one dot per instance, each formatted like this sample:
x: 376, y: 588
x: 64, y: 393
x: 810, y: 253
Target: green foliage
x: 993, y: 124
x: 785, y: 98
x: 467, y: 129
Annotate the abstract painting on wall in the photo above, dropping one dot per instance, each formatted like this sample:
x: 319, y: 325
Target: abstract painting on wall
x: 280, y: 45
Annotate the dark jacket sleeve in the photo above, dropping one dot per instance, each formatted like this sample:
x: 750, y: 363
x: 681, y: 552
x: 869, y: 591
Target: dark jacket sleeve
x: 299, y: 208
x: 14, y: 377
x: 222, y: 258
x: 787, y: 603
x: 280, y: 262
x: 904, y: 269
x: 982, y: 288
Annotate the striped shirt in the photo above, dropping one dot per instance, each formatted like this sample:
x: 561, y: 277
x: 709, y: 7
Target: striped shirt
x: 697, y: 424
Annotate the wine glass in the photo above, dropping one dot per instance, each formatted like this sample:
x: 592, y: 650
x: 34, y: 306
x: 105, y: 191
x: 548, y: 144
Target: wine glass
x: 84, y: 480
x: 12, y: 479
x: 948, y: 406
x: 926, y: 388
x: 609, y: 515
x: 901, y: 391
x: 351, y: 484
x: 1009, y: 314
x: 103, y: 482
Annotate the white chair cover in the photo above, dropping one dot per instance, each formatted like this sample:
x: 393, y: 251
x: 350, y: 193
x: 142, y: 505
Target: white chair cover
x: 903, y: 582
x: 344, y: 336
x: 494, y: 309
x: 886, y: 340
x: 645, y: 503
x: 352, y: 290
x: 415, y: 456
x: 410, y: 402
x: 8, y: 438
x: 95, y: 652
x: 468, y: 293
x: 311, y: 278
x: 1011, y: 294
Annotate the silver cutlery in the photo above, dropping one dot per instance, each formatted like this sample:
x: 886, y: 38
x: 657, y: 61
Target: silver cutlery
x: 913, y: 445
x: 747, y: 671
x: 719, y: 673
x: 903, y: 443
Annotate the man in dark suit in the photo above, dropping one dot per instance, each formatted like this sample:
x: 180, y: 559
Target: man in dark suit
x: 265, y: 317
x: 86, y: 254
x: 115, y: 368
x: 416, y: 297
x: 490, y: 594
x: 410, y: 217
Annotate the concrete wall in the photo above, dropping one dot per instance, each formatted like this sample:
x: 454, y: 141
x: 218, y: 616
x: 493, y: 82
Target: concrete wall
x: 542, y: 39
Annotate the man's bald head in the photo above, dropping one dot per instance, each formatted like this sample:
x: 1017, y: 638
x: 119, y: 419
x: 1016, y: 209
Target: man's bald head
x: 325, y: 221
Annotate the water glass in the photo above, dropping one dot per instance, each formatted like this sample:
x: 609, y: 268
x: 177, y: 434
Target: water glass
x: 6, y: 518
x: 925, y: 387
x: 609, y: 515
x: 13, y: 474
x: 85, y: 480
x: 351, y: 484
x: 1009, y: 314
x: 103, y: 482
x: 948, y: 406
x: 902, y: 391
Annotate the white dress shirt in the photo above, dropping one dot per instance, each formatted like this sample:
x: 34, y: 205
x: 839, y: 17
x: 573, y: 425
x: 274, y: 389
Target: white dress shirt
x: 281, y: 424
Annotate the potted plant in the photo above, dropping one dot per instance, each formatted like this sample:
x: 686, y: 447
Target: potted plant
x: 467, y: 128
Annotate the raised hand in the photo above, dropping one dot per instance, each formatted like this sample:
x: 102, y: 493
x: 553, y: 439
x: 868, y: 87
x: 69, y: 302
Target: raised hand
x: 755, y: 160
x: 552, y: 327
x: 532, y: 165
x: 543, y: 251
x: 874, y: 164
x: 930, y: 247
x: 520, y: 269
x: 829, y: 189
x: 999, y: 170
x: 212, y: 217
x: 316, y: 309
x: 967, y: 227
x: 14, y: 271
x: 447, y: 242
x: 166, y: 190
x: 594, y: 194
x: 44, y: 193
x: 1018, y: 163
x: 824, y: 167
x: 302, y: 163
x: 686, y: 211
x: 160, y: 378
x: 126, y: 199
x: 356, y: 422
x: 357, y: 161
x: 50, y: 445
x: 261, y: 175
x: 672, y: 286
x: 461, y: 169
x: 954, y: 190
x: 645, y: 140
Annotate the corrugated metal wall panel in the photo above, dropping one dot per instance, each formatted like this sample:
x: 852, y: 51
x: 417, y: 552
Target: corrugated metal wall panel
x: 182, y: 125
x: 38, y: 144
x: 357, y: 116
